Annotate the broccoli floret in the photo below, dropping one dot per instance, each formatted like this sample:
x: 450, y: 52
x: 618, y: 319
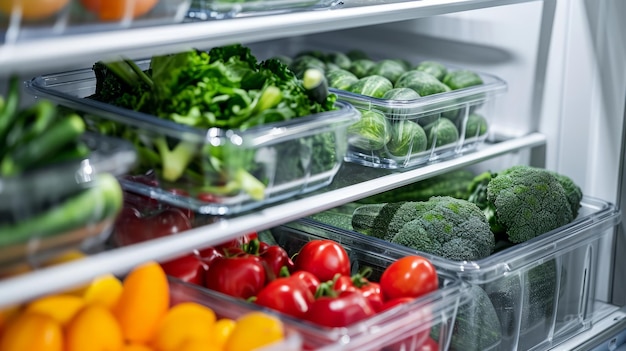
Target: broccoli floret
x: 523, y: 202
x: 573, y: 192
x: 452, y: 228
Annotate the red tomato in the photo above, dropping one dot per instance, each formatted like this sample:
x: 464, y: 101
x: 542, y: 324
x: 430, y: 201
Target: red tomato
x: 237, y: 242
x: 311, y: 281
x: 374, y: 294
x: 275, y: 258
x: 287, y: 295
x: 410, y: 276
x: 344, y: 283
x: 323, y: 258
x: 131, y: 227
x: 188, y: 268
x: 239, y: 276
x: 348, y: 308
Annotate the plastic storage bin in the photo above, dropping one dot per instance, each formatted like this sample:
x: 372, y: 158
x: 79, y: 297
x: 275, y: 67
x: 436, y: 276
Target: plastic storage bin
x: 400, y: 328
x: 460, y: 118
x: 37, y: 196
x: 289, y: 158
x: 68, y: 17
x: 184, y: 292
x: 543, y: 289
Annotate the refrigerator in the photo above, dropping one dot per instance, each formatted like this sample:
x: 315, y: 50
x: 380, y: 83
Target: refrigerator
x: 563, y: 62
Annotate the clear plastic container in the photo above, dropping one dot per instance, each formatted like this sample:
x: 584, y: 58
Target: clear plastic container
x: 288, y: 158
x: 184, y: 292
x: 37, y: 196
x: 202, y: 10
x: 68, y: 17
x: 462, y: 117
x: 460, y: 107
x: 543, y: 290
x: 404, y: 327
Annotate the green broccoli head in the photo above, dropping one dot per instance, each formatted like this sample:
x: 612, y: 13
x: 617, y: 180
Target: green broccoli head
x: 528, y: 202
x: 451, y: 228
x: 573, y: 192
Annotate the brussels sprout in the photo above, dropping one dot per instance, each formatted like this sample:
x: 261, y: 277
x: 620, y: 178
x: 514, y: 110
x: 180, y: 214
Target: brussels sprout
x: 476, y: 126
x: 340, y: 59
x: 401, y: 94
x: 423, y: 83
x: 389, y: 69
x: 407, y: 137
x: 406, y: 64
x: 374, y: 86
x: 301, y: 63
x: 360, y: 67
x: 436, y: 69
x: 341, y: 79
x: 461, y: 79
x: 371, y: 132
x: 313, y: 53
x: 357, y: 55
x: 441, y: 132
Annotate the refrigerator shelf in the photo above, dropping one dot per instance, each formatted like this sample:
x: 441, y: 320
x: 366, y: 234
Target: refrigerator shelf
x: 81, y: 48
x: 345, y: 188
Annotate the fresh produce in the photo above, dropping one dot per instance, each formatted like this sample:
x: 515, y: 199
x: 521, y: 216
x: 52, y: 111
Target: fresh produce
x: 341, y: 79
x: 346, y: 308
x: 225, y: 88
x: 239, y: 276
x: 423, y: 83
x: 374, y: 86
x: 454, y: 183
x: 461, y: 79
x: 289, y: 295
x: 33, y: 10
x: 116, y: 10
x: 441, y: 132
x: 143, y: 316
x: 100, y: 201
x: 522, y: 202
x: 387, y: 68
x: 33, y: 142
x: 444, y: 226
x: 407, y: 138
x: 410, y: 276
x: 371, y: 132
x: 436, y: 69
x: 323, y: 258
x: 476, y: 126
x: 143, y: 219
x: 360, y: 67
x: 401, y: 94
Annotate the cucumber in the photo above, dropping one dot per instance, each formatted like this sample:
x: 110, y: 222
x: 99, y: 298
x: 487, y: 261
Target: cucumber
x: 103, y: 200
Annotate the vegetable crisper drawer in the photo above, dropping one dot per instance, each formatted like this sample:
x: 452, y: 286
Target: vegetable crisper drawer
x: 408, y: 326
x: 229, y: 171
x: 410, y: 116
x: 542, y: 291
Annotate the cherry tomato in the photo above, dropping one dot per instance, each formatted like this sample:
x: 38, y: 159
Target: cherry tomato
x: 115, y: 10
x: 287, y: 295
x: 324, y: 258
x: 344, y: 283
x: 347, y: 308
x: 409, y: 276
x: 370, y: 290
x: 309, y: 280
x: 237, y: 242
x: 188, y: 268
x: 373, y: 293
x: 275, y: 258
x: 132, y: 227
x: 240, y: 276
